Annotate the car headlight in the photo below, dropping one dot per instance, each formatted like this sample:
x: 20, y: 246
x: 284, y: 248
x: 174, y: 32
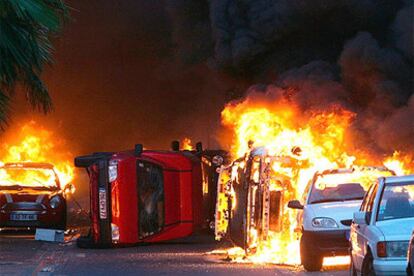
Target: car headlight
x: 396, y: 249
x: 55, y: 202
x: 113, y: 170
x: 324, y: 223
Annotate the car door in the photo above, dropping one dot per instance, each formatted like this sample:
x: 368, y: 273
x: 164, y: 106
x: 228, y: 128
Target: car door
x: 359, y: 237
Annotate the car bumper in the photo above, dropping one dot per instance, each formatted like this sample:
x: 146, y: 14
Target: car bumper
x: 390, y: 267
x: 45, y: 219
x: 328, y: 243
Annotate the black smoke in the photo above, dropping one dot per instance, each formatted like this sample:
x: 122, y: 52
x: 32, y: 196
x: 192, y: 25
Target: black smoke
x: 358, y: 54
x: 152, y: 71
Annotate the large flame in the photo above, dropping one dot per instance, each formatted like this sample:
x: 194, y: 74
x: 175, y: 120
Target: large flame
x: 317, y: 137
x: 33, y: 143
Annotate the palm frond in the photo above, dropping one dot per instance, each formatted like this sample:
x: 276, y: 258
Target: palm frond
x: 25, y: 30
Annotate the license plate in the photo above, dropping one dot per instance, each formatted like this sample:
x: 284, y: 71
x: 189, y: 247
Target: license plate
x: 102, y: 204
x: 24, y: 217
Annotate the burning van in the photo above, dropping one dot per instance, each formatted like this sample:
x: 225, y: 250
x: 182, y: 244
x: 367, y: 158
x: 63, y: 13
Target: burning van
x: 143, y: 196
x: 251, y: 199
x: 31, y: 196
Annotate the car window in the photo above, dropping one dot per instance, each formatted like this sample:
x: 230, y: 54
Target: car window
x: 371, y: 199
x: 397, y: 201
x: 150, y: 198
x: 366, y: 199
x: 27, y: 177
x: 326, y: 189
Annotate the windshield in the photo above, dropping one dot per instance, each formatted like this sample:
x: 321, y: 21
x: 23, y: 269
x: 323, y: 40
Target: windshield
x: 350, y: 185
x: 16, y: 177
x: 397, y: 201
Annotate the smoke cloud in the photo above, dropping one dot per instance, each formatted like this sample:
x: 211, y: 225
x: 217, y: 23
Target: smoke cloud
x: 356, y: 54
x: 152, y: 71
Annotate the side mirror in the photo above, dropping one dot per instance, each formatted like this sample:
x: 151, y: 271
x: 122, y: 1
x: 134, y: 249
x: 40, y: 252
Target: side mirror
x: 295, y: 204
x: 69, y: 188
x: 360, y: 217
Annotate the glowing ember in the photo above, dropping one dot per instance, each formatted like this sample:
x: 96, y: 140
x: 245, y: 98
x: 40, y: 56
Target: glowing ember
x: 33, y: 143
x: 186, y: 144
x: 317, y: 140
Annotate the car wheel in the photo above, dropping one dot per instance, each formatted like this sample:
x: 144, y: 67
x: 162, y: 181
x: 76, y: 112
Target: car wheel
x: 62, y: 224
x: 368, y: 266
x: 311, y: 260
x: 352, y: 269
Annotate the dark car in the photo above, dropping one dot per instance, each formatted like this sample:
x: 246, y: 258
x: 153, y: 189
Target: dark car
x: 31, y: 196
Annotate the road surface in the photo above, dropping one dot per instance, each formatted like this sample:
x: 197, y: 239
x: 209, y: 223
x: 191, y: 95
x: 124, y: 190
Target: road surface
x: 20, y: 254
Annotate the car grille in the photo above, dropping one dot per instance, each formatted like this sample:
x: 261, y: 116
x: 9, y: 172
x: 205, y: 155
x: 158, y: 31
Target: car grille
x: 32, y: 206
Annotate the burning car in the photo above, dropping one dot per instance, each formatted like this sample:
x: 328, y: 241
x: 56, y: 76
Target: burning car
x: 251, y: 198
x: 143, y: 196
x: 327, y: 207
x: 31, y: 195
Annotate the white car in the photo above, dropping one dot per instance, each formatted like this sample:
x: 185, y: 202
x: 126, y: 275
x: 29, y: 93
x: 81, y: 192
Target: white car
x: 410, y: 256
x: 382, y: 227
x: 329, y: 202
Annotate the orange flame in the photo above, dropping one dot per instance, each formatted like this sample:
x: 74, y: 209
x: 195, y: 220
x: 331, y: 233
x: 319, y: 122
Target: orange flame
x: 33, y: 143
x: 318, y: 137
x: 186, y: 144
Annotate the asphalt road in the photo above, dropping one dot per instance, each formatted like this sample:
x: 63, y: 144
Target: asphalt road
x: 20, y: 254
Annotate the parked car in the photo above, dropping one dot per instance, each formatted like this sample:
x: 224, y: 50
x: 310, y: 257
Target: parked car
x: 381, y: 229
x: 143, y: 196
x: 31, y: 196
x: 329, y: 202
x: 410, y: 256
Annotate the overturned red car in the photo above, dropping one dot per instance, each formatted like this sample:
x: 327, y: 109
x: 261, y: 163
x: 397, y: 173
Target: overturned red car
x: 31, y: 196
x: 142, y: 196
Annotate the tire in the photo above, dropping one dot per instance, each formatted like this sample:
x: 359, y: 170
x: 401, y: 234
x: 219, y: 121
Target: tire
x: 409, y: 270
x: 368, y: 266
x: 62, y: 224
x: 310, y: 258
x: 352, y: 269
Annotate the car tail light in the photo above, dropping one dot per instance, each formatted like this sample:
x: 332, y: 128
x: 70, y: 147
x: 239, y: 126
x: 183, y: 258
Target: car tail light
x: 115, y: 232
x: 381, y: 249
x: 113, y: 170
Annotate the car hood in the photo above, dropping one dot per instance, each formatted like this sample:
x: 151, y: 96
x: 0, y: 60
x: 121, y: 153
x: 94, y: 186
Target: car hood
x: 338, y: 210
x: 26, y: 195
x: 396, y: 229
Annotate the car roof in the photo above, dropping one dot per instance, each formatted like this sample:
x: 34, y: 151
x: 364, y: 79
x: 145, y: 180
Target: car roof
x: 353, y: 169
x: 39, y: 165
x: 399, y: 179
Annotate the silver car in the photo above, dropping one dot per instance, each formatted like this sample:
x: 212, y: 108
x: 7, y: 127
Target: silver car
x: 410, y: 255
x: 381, y: 230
